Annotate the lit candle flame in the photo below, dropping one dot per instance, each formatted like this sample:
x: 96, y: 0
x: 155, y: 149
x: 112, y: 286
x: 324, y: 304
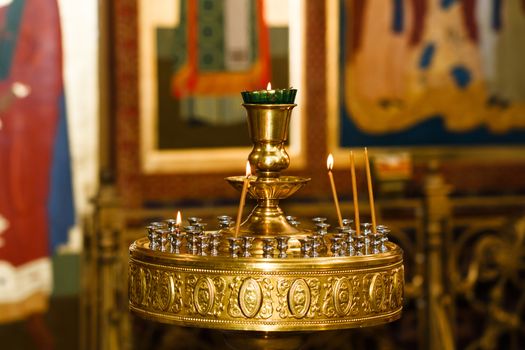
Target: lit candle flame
x: 269, y: 86
x: 178, y: 220
x: 329, y: 165
x: 248, y: 169
x: 330, y: 162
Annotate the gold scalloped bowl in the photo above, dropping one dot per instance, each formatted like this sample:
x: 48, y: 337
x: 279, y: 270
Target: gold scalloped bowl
x: 278, y: 188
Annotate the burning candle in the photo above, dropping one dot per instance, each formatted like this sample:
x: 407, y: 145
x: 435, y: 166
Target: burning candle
x: 178, y: 221
x: 269, y: 96
x: 246, y: 184
x: 370, y: 191
x: 329, y: 165
x: 354, y: 194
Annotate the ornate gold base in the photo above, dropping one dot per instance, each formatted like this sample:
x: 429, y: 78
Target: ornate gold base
x: 266, y: 294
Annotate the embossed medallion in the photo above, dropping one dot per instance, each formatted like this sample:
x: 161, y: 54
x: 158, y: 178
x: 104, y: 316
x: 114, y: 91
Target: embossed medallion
x: 250, y: 297
x: 204, y: 295
x: 377, y: 292
x: 396, y: 294
x: 165, y: 291
x: 299, y: 298
x: 343, y: 296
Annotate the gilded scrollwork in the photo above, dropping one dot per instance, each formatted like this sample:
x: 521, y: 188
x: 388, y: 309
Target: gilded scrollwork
x: 364, y: 293
x: 315, y: 290
x: 234, y: 309
x: 396, y: 288
x: 147, y: 278
x: 283, y: 285
x: 356, y: 283
x: 177, y: 304
x: 136, y: 285
x: 328, y: 306
x: 266, y: 310
x: 220, y: 288
x: 189, y: 303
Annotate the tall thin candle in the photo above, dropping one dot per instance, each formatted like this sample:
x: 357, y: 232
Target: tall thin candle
x: 246, y: 184
x: 354, y: 194
x: 370, y: 191
x: 329, y: 165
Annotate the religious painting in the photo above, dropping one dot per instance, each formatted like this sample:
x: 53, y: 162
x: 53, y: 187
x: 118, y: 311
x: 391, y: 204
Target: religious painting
x: 36, y: 203
x: 195, y: 58
x: 427, y: 74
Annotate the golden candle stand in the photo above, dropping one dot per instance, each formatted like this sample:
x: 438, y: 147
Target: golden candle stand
x: 275, y: 277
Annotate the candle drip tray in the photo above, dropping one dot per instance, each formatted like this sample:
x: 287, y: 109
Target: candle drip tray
x: 272, y: 188
x: 267, y: 218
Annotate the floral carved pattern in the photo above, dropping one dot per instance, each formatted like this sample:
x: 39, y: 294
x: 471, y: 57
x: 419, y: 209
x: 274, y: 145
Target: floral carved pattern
x: 234, y: 309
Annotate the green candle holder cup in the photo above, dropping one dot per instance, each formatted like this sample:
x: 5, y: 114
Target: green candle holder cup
x: 277, y: 96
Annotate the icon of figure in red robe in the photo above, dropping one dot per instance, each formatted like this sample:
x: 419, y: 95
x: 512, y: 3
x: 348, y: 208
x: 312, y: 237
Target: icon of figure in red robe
x: 31, y: 113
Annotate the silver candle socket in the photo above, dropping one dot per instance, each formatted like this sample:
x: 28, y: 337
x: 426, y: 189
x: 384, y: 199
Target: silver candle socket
x: 156, y: 238
x: 351, y: 241
x: 343, y: 233
x: 152, y: 236
x: 319, y: 220
x: 234, y: 246
x: 200, y: 227
x: 282, y: 245
x: 194, y: 220
x: 215, y: 242
x: 292, y: 220
x: 306, y: 246
x: 175, y: 239
x: 203, y: 241
x: 366, y: 232
x: 335, y: 245
x: 192, y: 233
x: 172, y: 224
x: 317, y: 243
x: 347, y: 223
x: 267, y: 247
x: 360, y: 245
x: 225, y: 222
x: 383, y: 231
x: 321, y: 230
x: 163, y: 238
x: 247, y: 243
